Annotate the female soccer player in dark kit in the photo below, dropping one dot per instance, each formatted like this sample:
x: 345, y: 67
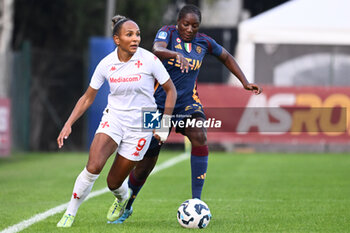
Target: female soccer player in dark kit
x: 131, y: 72
x: 182, y: 49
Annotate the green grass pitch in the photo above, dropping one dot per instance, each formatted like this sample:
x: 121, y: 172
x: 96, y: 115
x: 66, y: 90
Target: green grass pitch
x: 245, y: 193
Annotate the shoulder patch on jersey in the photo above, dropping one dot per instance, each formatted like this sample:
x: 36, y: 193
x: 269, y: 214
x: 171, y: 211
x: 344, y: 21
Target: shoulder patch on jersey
x: 162, y: 35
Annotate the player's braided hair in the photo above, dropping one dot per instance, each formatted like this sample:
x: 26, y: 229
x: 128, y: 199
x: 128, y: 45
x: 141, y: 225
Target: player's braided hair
x: 117, y: 22
x: 189, y: 9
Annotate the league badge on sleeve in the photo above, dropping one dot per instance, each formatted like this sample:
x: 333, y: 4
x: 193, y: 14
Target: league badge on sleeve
x: 162, y: 35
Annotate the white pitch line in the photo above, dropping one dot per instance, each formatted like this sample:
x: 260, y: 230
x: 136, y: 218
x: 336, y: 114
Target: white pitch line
x: 39, y: 217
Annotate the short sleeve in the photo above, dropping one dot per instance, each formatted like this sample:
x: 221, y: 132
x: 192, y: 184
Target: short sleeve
x: 98, y: 77
x: 214, y: 48
x: 159, y: 72
x: 163, y: 34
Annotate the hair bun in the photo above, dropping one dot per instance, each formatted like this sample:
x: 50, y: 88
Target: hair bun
x: 116, y: 19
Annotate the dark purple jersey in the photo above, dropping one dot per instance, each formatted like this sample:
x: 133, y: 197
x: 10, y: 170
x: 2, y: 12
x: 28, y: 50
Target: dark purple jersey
x: 194, y: 52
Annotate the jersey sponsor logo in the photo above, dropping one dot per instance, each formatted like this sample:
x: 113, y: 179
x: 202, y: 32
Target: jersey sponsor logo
x: 188, y: 47
x: 127, y: 79
x: 178, y: 46
x: 162, y: 35
x: 178, y: 40
x: 198, y: 49
x: 113, y: 68
x: 138, y: 64
x: 196, y: 63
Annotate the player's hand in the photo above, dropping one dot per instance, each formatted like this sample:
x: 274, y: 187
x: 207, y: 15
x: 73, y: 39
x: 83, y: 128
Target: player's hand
x: 254, y: 88
x: 162, y: 133
x: 161, y: 136
x: 65, y: 132
x: 184, y: 63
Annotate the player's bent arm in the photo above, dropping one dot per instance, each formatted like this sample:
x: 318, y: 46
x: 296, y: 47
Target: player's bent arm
x: 81, y: 106
x: 228, y: 60
x: 160, y: 50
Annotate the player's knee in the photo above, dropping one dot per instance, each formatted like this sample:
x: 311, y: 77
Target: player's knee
x: 198, y: 138
x: 94, y: 167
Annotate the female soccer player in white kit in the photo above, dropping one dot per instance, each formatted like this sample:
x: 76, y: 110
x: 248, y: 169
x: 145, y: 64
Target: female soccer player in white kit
x: 131, y: 73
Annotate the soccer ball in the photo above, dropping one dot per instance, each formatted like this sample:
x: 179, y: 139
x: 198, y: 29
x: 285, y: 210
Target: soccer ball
x: 193, y: 213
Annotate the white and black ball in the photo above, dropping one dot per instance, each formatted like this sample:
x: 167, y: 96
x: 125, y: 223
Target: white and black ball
x: 193, y: 213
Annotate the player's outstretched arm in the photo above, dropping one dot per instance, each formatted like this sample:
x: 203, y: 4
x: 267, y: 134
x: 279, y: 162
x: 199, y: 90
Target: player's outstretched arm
x: 81, y: 106
x: 228, y: 60
x: 161, y: 51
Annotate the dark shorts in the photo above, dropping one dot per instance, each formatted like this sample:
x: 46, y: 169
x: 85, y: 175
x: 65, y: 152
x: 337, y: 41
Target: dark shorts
x: 183, y: 114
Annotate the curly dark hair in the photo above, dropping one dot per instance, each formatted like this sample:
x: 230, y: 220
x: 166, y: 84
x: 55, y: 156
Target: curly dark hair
x: 189, y: 9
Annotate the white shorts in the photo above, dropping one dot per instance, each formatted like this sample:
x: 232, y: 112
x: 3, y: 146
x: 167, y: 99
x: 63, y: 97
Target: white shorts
x: 132, y: 143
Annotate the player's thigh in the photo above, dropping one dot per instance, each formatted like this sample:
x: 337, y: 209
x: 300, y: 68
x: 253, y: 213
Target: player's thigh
x: 107, y: 138
x: 197, y: 135
x: 102, y: 147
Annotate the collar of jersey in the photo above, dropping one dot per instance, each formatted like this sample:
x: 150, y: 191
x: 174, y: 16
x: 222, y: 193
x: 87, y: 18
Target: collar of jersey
x: 135, y: 57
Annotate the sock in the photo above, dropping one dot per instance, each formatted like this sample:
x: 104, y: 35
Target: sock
x: 135, y: 185
x: 122, y: 192
x: 199, y: 164
x: 82, y: 188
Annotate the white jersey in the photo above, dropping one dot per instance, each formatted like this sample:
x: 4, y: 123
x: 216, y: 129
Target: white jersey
x: 131, y: 83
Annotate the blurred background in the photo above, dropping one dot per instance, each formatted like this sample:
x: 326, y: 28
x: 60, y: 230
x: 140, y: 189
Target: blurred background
x: 298, y: 50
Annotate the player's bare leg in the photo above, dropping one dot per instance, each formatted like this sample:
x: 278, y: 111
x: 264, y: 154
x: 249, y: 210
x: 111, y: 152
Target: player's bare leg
x: 138, y: 177
x: 118, y: 185
x: 101, y: 149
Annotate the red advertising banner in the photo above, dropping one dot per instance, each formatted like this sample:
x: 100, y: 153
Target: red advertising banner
x: 5, y: 133
x: 278, y: 115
